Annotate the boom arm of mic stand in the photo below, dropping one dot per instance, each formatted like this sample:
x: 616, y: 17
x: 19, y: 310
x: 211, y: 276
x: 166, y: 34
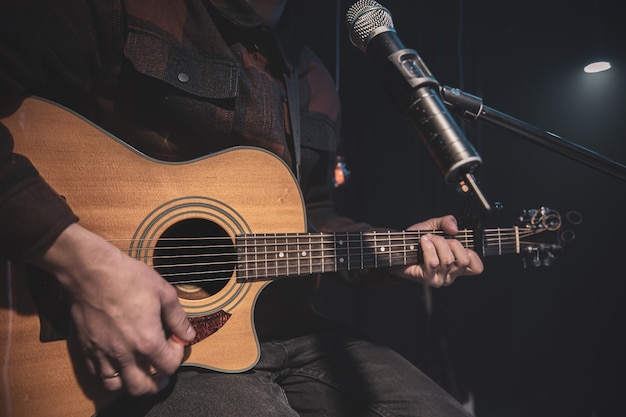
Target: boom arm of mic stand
x: 472, y: 108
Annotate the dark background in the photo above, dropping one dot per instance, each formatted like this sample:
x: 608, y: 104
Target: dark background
x: 545, y: 341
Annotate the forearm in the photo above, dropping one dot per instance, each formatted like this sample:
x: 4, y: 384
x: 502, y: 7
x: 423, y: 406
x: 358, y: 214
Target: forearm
x: 32, y: 214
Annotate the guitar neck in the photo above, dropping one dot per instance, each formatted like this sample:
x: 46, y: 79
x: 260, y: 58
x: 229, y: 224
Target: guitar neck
x: 276, y: 255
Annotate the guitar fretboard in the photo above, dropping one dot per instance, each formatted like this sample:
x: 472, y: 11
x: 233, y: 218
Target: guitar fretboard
x: 281, y: 255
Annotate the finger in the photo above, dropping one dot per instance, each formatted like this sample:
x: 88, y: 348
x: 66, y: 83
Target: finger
x: 107, y: 372
x: 445, y: 254
x: 166, y: 353
x: 161, y: 379
x: 160, y: 356
x: 137, y: 380
x: 476, y: 264
x: 467, y: 261
x: 112, y: 381
x: 90, y: 362
x: 431, y: 263
x: 461, y: 255
x: 449, y: 224
x: 429, y: 254
x: 454, y: 259
x: 175, y: 319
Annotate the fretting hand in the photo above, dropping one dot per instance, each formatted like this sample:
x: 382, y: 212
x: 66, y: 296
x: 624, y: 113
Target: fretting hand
x: 444, y: 259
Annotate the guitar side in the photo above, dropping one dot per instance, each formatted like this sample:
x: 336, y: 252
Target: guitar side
x: 120, y: 193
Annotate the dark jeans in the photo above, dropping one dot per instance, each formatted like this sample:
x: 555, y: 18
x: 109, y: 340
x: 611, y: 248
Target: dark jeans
x: 327, y: 374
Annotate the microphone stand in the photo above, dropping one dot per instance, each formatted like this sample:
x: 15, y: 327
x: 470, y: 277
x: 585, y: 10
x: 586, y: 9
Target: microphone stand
x: 472, y: 108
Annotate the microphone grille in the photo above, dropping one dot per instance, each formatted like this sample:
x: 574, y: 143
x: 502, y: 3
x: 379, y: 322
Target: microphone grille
x: 363, y: 18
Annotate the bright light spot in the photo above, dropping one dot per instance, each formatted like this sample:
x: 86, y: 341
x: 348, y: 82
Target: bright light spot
x: 597, y: 67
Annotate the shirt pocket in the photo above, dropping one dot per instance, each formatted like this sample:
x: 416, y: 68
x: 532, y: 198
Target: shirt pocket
x: 205, y: 75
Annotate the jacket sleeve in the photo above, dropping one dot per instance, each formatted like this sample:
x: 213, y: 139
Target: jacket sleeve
x: 46, y: 49
x: 32, y: 214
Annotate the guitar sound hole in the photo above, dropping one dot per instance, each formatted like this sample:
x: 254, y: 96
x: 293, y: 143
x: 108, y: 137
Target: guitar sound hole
x: 197, y: 256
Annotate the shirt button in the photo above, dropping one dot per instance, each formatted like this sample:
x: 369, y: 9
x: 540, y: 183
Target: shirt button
x: 183, y: 78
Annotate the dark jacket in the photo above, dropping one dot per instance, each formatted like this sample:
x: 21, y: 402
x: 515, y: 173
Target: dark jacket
x: 177, y: 80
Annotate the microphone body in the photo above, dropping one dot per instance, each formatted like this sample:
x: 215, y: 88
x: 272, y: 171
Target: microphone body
x: 413, y: 89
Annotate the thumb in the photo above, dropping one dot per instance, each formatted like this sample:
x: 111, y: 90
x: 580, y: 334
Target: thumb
x: 176, y: 321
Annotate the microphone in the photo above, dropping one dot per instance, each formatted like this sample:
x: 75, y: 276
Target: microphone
x: 414, y: 90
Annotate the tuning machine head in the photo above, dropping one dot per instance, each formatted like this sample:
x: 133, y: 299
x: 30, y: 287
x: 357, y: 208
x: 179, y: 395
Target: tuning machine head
x: 541, y: 234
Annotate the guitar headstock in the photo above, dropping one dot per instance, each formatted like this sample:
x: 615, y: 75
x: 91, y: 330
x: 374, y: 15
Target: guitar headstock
x: 542, y: 233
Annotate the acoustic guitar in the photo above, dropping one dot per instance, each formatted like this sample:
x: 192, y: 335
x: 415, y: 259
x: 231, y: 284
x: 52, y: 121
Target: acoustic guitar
x: 218, y: 228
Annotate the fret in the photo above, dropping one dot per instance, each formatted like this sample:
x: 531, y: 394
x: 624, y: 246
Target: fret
x: 293, y: 260
x: 347, y: 247
x: 315, y: 254
x: 362, y: 251
x: 368, y: 250
x: 274, y: 254
x: 310, y: 253
x: 390, y: 248
x: 320, y: 252
x: 327, y: 253
x: 299, y: 255
x: 413, y: 248
x: 406, y: 249
x: 358, y: 264
x: 488, y: 244
x: 462, y: 237
x: 375, y: 250
x: 397, y: 249
x: 254, y: 257
x: 305, y: 256
x: 323, y: 259
x: 483, y: 245
x: 342, y: 256
x: 330, y: 259
x: 265, y: 261
x: 281, y: 255
x: 242, y: 255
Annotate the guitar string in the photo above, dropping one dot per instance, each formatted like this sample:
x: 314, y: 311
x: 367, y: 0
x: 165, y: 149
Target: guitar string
x: 303, y: 235
x: 290, y: 246
x: 263, y: 270
x: 324, y: 238
x: 298, y: 246
x: 316, y: 262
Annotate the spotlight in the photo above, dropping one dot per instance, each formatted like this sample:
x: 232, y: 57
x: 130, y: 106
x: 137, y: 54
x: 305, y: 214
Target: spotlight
x: 597, y: 66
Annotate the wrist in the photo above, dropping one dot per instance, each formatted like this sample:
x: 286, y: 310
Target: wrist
x: 75, y: 248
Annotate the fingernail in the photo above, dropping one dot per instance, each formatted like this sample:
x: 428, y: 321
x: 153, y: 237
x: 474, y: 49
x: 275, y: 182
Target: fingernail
x: 179, y: 340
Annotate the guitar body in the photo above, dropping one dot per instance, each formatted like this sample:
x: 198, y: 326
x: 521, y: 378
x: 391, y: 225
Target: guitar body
x: 134, y: 202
